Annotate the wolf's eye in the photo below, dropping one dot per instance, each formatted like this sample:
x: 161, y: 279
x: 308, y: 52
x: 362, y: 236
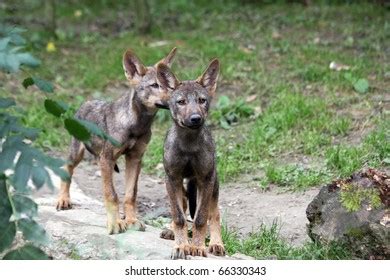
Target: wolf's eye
x: 181, y: 102
x: 202, y: 100
x: 155, y: 85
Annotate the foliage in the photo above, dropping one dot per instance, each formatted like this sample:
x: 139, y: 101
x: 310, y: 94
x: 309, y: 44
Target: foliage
x: 24, y: 168
x: 11, y: 44
x: 227, y: 112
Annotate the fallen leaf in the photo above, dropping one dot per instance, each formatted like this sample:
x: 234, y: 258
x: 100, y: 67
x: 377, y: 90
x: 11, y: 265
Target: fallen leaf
x: 51, y: 47
x: 251, y: 98
x: 276, y: 35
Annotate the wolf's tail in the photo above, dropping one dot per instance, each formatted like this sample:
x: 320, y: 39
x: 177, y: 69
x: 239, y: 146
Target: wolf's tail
x: 191, y: 195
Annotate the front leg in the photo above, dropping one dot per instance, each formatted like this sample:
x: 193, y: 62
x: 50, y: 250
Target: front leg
x: 199, y: 228
x: 114, y: 223
x: 133, y: 167
x: 180, y: 228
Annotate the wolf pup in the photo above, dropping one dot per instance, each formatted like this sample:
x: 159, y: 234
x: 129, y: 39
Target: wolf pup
x: 189, y: 153
x: 129, y: 121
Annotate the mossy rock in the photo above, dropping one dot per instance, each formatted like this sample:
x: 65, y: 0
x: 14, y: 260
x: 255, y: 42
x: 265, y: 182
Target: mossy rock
x: 350, y: 211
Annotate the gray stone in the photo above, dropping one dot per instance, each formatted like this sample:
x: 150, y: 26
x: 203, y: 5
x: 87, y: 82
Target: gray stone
x: 360, y: 230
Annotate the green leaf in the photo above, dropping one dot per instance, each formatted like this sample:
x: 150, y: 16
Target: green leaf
x: 224, y: 123
x: 361, y: 86
x: 76, y: 129
x: 28, y: 59
x: 4, y: 43
x: 32, y: 231
x: 39, y: 176
x: 9, y: 62
x: 27, y: 252
x: 7, y: 235
x: 6, y: 102
x: 223, y: 102
x: 28, y: 82
x: 5, y: 205
x: 22, y: 172
x: 55, y: 108
x: 43, y: 85
x: 94, y: 129
x: 348, y: 76
x: 25, y: 205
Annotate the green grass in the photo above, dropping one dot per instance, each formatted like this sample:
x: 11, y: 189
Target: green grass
x: 306, y: 109
x: 266, y: 243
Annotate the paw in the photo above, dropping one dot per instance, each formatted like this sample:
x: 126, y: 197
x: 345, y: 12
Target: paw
x: 135, y: 224
x: 63, y: 203
x: 116, y: 227
x: 180, y: 252
x: 198, y: 251
x: 167, y: 234
x: 217, y: 249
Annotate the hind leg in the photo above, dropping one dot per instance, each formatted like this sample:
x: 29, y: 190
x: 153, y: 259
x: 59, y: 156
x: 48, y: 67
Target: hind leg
x: 75, y: 156
x: 216, y: 245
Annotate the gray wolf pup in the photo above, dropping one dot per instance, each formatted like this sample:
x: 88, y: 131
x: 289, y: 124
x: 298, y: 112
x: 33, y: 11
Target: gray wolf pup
x: 189, y: 153
x: 128, y: 120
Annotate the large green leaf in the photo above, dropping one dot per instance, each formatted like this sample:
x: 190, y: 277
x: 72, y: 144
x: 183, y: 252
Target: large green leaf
x: 94, y: 129
x: 55, y: 108
x: 22, y: 172
x: 43, y: 85
x: 39, y: 176
x: 5, y: 204
x: 28, y: 59
x: 7, y: 235
x: 76, y: 129
x: 7, y: 157
x: 9, y: 62
x: 4, y: 43
x: 32, y: 231
x: 24, y: 205
x: 27, y: 252
x: 7, y: 228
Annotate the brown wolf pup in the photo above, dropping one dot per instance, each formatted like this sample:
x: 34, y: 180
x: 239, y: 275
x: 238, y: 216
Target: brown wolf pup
x: 189, y: 153
x: 129, y: 121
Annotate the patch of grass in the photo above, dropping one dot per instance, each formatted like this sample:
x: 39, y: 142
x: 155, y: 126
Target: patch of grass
x: 154, y: 154
x: 344, y: 159
x: 266, y: 243
x: 293, y: 177
x: 277, y: 130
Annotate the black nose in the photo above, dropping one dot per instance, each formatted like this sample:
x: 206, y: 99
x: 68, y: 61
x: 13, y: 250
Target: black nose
x: 195, y: 119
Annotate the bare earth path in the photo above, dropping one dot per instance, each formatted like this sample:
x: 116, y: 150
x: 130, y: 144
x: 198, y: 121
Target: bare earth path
x: 242, y: 207
x: 81, y: 231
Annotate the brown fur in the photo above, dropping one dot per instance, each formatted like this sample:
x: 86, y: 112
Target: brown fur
x: 129, y: 121
x: 189, y: 153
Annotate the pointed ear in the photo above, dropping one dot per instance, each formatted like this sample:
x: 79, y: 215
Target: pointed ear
x: 210, y: 76
x: 165, y: 77
x: 133, y: 67
x: 168, y: 60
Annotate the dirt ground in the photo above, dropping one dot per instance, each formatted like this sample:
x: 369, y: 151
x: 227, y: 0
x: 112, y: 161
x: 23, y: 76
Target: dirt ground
x: 244, y: 207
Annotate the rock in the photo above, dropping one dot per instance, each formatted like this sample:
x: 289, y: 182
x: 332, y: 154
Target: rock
x: 80, y: 233
x: 362, y: 230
